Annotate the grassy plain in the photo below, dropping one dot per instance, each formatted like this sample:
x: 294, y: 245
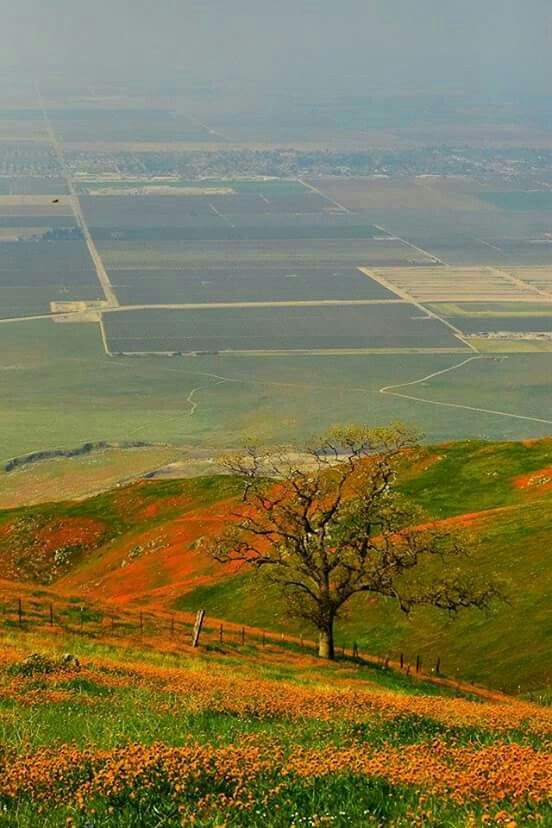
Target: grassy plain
x: 74, y: 477
x: 63, y: 391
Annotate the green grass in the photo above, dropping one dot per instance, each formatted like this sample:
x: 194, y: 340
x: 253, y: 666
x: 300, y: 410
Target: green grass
x: 341, y: 801
x: 474, y: 475
x: 98, y: 716
x: 507, y: 647
x: 64, y: 391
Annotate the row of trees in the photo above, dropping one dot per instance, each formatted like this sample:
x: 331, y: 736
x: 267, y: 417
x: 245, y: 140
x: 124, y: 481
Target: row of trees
x: 330, y: 522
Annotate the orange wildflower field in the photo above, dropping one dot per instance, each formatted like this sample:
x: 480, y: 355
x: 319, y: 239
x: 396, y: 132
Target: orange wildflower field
x: 117, y: 735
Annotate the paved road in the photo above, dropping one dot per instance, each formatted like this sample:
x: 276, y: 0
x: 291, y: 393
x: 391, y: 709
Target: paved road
x: 103, y: 277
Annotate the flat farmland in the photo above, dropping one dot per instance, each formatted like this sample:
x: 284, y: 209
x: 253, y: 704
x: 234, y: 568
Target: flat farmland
x: 425, y: 193
x: 455, y: 284
x: 493, y: 324
x: 477, y: 309
x: 290, y: 328
x: 540, y: 278
x: 33, y: 220
x: 263, y: 211
x: 334, y: 253
x: 456, y: 220
x: 519, y: 200
x: 33, y: 274
x: 64, y: 391
x: 126, y: 124
x: 30, y: 185
x: 244, y: 284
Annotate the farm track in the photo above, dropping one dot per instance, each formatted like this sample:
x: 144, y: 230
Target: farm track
x: 407, y: 297
x: 28, y: 318
x: 269, y: 304
x: 391, y: 390
x: 101, y: 272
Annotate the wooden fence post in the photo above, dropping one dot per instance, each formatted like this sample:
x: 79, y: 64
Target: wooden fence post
x: 418, y: 663
x: 401, y: 660
x: 200, y: 618
x: 221, y: 633
x: 355, y: 649
x: 302, y: 641
x: 19, y: 611
x: 141, y: 623
x: 264, y: 639
x: 243, y: 635
x: 438, y: 665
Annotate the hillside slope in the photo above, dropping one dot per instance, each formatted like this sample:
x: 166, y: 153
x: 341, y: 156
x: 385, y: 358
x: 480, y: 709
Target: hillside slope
x: 143, y: 732
x: 135, y: 546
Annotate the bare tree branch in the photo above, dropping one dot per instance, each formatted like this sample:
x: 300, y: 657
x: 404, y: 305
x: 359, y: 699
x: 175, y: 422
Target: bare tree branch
x: 330, y: 523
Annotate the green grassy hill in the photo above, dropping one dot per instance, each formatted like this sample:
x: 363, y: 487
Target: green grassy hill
x: 135, y: 545
x: 152, y: 733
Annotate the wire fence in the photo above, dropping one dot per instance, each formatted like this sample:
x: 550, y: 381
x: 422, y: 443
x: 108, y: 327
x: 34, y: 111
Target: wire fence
x: 76, y: 617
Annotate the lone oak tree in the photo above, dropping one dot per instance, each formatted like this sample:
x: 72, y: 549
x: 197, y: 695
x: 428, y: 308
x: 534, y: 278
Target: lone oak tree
x: 330, y: 523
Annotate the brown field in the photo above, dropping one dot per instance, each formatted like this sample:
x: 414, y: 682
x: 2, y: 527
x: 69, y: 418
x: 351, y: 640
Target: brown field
x: 78, y: 477
x: 540, y: 278
x: 429, y: 193
x: 460, y: 284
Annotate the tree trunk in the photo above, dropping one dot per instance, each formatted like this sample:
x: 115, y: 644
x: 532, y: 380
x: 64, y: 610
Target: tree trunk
x: 326, y: 647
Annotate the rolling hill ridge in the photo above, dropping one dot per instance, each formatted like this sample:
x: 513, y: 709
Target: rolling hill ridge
x: 134, y: 547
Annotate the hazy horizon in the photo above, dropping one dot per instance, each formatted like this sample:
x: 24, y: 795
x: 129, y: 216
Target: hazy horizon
x: 501, y: 50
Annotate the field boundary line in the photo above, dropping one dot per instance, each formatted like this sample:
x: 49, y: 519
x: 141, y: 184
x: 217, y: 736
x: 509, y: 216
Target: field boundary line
x: 103, y: 334
x: 284, y: 303
x: 374, y: 274
x: 101, y: 272
x: 290, y: 352
x: 28, y: 318
x: 391, y: 391
x: 338, y: 204
x: 430, y: 256
x: 521, y: 283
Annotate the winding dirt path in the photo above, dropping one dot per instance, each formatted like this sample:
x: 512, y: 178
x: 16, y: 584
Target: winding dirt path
x: 392, y: 391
